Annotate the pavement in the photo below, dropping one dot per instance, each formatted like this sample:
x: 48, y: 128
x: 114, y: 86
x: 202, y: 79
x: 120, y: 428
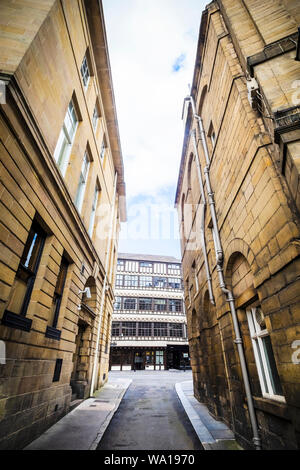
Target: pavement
x: 84, y: 427
x: 213, y: 434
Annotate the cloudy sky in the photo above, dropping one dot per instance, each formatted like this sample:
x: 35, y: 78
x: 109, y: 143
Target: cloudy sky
x: 152, y: 47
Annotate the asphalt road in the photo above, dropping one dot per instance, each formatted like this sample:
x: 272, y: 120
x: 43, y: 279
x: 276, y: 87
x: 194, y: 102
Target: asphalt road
x: 150, y: 416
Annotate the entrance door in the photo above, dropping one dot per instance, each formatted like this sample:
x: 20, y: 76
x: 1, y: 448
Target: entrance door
x: 159, y: 360
x: 138, y: 360
x: 77, y: 382
x: 149, y: 360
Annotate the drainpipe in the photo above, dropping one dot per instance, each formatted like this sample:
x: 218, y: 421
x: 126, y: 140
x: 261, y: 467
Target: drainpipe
x: 202, y: 226
x: 104, y: 287
x: 227, y: 292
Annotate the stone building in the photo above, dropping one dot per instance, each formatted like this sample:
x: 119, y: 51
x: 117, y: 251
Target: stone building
x: 149, y: 322
x: 62, y: 199
x: 238, y: 200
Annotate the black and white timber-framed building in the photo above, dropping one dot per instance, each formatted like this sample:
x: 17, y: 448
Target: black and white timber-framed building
x: 149, y: 323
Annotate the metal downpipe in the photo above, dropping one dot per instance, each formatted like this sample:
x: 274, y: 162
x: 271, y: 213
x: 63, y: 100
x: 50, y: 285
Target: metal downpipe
x: 227, y: 292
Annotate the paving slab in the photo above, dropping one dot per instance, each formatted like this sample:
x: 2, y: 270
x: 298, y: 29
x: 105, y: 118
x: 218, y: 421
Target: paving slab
x: 213, y: 434
x: 83, y: 428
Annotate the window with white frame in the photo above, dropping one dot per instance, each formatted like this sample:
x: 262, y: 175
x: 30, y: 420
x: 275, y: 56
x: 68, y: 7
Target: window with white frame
x: 103, y: 148
x: 119, y: 280
x: 118, y: 303
x: 82, y: 181
x: 95, y: 117
x: 94, y: 209
x: 85, y: 73
x: 264, y: 356
x: 66, y: 138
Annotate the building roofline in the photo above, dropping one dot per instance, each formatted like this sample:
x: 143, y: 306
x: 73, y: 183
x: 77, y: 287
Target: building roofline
x: 96, y: 22
x: 143, y: 257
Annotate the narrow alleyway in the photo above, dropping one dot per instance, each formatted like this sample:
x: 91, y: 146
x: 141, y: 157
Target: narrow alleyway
x: 150, y: 416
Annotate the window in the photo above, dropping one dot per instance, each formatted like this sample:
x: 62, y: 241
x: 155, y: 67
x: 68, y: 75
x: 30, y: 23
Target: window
x: 159, y: 358
x: 160, y: 329
x: 22, y: 289
x: 85, y: 73
x: 120, y: 265
x: 264, y: 356
x: 145, y: 329
x: 144, y: 264
x: 172, y: 268
x: 118, y: 303
x: 58, y: 293
x: 146, y: 267
x: 94, y: 209
x: 103, y: 148
x: 174, y: 283
x: 65, y: 139
x: 57, y: 370
x: 131, y: 281
x: 82, y: 182
x: 145, y: 304
x: 160, y: 305
x: 145, y: 281
x: 95, y: 117
x: 175, y: 305
x: 119, y: 280
x: 129, y: 303
x: 129, y: 328
x: 160, y: 282
x: 115, y: 329
x: 175, y: 330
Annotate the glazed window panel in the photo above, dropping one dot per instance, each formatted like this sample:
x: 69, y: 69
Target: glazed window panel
x: 160, y: 305
x: 145, y: 329
x: 129, y: 303
x: 160, y: 329
x: 85, y: 73
x: 82, y: 182
x: 145, y: 304
x: 146, y: 267
x: 118, y: 303
x: 128, y: 328
x: 66, y: 138
x: 176, y: 330
x: 145, y: 281
x: 119, y: 280
x: 94, y: 209
x: 160, y: 282
x: 120, y: 265
x: 264, y: 355
x: 25, y: 277
x: 174, y: 283
x: 131, y: 281
x: 96, y: 117
x: 175, y: 305
x: 115, y: 329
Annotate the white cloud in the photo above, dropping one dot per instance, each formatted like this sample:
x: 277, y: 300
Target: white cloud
x: 145, y: 39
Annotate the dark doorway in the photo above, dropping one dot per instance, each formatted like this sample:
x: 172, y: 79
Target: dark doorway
x: 77, y: 379
x: 138, y: 360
